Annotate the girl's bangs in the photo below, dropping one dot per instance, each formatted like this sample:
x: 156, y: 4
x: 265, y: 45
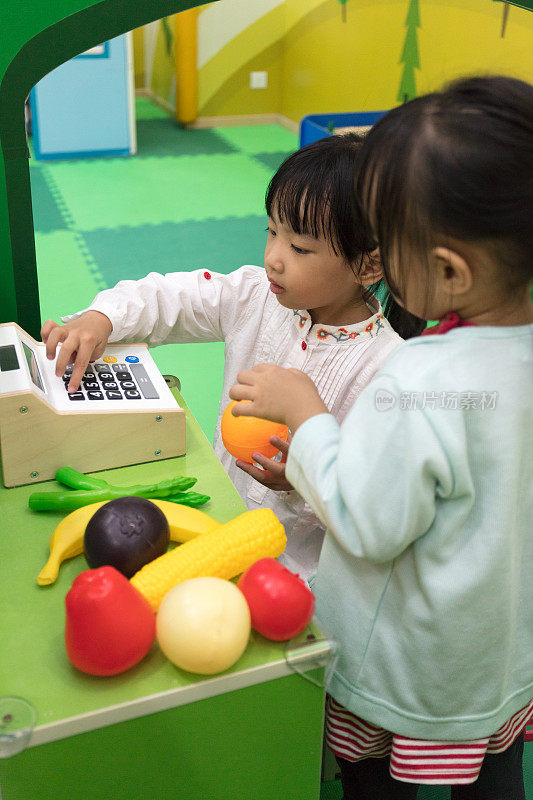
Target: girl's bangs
x: 305, y: 208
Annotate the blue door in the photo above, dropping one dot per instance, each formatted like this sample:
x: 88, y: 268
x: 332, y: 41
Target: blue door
x: 85, y: 107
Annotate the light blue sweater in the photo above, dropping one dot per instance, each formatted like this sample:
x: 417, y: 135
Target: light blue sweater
x: 426, y: 573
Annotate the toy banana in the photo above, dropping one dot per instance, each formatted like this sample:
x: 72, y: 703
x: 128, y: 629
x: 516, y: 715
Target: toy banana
x: 66, y: 541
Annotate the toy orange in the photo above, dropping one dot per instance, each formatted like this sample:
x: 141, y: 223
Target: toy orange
x: 243, y: 436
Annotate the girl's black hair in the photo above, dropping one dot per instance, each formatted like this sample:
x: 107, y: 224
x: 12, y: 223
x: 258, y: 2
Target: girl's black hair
x: 313, y: 193
x: 453, y: 165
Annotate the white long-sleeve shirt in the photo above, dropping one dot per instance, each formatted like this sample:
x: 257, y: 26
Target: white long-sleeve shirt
x: 240, y: 309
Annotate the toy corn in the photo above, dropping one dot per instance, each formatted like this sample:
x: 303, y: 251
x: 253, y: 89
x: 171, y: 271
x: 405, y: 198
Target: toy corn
x: 222, y: 553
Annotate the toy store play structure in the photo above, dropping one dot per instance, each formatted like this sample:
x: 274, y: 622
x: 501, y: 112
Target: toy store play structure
x: 36, y: 38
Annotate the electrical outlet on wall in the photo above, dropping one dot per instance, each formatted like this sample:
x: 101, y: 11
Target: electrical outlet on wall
x: 258, y: 80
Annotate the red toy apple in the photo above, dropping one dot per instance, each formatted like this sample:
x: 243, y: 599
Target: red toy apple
x: 281, y: 604
x: 109, y: 626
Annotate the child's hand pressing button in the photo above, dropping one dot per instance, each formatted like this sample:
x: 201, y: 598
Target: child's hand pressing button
x: 81, y: 340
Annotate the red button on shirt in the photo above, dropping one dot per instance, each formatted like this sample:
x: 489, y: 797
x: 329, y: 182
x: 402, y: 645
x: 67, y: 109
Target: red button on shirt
x: 304, y: 346
x: 207, y: 276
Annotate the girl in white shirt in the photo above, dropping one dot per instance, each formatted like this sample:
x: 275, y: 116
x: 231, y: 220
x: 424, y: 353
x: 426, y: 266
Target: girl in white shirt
x: 310, y: 308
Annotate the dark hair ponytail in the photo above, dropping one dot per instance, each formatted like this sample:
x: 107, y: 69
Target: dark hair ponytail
x: 405, y: 324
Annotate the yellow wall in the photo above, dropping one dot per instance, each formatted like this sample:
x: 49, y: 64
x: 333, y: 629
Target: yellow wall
x: 333, y: 66
x: 224, y: 81
x: 163, y: 70
x: 318, y: 63
x: 234, y: 96
x: 475, y: 27
x: 138, y: 57
x: 327, y: 65
x: 155, y: 43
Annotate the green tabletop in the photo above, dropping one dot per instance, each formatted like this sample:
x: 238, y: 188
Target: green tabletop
x: 33, y: 661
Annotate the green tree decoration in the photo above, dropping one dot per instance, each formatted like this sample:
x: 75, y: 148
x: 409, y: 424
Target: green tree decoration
x: 505, y: 17
x: 525, y: 4
x: 410, y: 58
x: 343, y: 9
x: 167, y: 33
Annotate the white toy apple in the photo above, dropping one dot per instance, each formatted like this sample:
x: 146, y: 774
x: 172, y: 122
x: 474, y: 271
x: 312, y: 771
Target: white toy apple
x: 203, y: 625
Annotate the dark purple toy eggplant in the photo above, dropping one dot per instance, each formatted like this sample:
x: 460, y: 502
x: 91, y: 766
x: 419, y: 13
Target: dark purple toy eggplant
x: 126, y: 533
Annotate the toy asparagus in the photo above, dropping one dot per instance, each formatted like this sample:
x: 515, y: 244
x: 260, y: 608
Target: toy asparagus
x: 84, y: 490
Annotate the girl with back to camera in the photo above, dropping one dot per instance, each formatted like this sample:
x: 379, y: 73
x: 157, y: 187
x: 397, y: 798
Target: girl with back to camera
x: 427, y: 486
x: 310, y: 307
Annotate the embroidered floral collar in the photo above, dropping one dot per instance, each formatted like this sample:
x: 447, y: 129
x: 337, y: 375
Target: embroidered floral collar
x: 333, y: 334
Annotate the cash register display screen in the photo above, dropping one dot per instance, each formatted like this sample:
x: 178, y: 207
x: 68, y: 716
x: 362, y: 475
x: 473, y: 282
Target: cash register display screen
x: 32, y: 366
x: 8, y: 358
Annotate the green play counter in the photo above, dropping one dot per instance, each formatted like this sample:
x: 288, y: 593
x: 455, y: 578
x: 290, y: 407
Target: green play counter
x: 254, y: 731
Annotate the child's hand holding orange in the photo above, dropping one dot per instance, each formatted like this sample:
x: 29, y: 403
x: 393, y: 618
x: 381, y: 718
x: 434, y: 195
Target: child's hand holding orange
x: 273, y: 473
x: 282, y: 395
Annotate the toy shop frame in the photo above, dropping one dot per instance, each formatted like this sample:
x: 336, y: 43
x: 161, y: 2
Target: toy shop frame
x: 36, y: 38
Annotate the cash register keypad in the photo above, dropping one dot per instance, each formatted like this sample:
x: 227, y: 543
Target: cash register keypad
x: 112, y: 382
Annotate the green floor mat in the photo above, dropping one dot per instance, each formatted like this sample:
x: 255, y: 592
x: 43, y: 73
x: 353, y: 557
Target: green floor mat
x: 67, y: 280
x: 133, y: 252
x: 145, y: 109
x: 108, y: 193
x: 254, y: 139
x: 271, y: 160
x: 47, y: 214
x: 330, y: 790
x: 156, y: 137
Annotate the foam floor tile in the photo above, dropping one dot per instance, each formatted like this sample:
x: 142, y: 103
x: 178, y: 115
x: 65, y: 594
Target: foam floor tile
x: 145, y: 109
x: 47, y: 214
x: 259, y: 138
x: 331, y: 790
x: 113, y: 192
x: 67, y: 282
x: 218, y: 244
x: 158, y: 137
x: 271, y: 160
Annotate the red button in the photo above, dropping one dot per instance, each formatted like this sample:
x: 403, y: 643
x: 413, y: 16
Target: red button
x: 304, y: 346
x: 207, y: 276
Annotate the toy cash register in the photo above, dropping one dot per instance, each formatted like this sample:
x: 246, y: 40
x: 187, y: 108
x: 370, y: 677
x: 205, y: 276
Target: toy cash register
x: 123, y: 413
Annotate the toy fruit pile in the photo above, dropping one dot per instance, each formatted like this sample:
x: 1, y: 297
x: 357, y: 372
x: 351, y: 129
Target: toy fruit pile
x: 184, y: 596
x: 135, y: 527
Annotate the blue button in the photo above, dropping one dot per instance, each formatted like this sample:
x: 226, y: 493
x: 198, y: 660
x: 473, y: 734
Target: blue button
x: 132, y: 359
